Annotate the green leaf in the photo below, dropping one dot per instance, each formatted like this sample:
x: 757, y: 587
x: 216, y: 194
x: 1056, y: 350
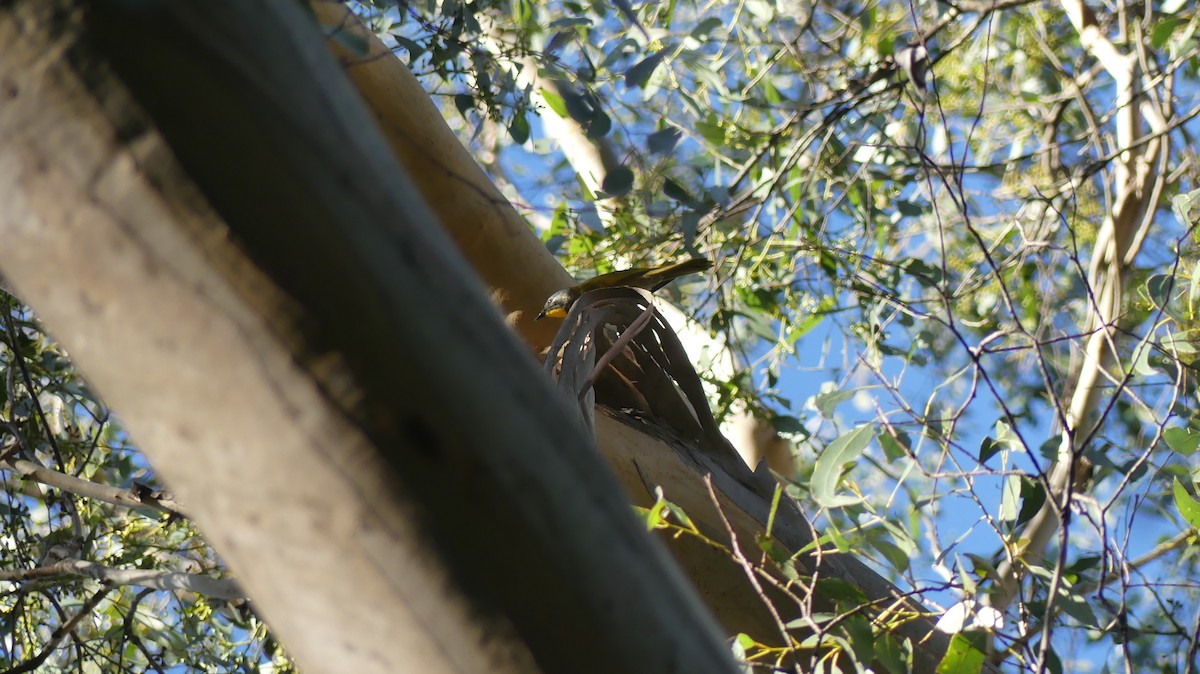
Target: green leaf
x: 663, y: 141
x: 675, y: 191
x: 926, y: 274
x: 618, y: 51
x: 742, y: 643
x: 887, y: 44
x: 415, y: 51
x: 812, y: 320
x: 519, y: 129
x: 1188, y: 506
x: 708, y: 25
x: 560, y: 224
x: 1163, y: 31
x: 1159, y: 288
x: 599, y: 126
x: 988, y: 448
x: 688, y: 225
x: 963, y: 656
x: 1194, y: 290
x: 770, y: 93
x: 826, y: 403
x: 1184, y: 206
x: 578, y: 108
x: 1010, y: 498
x: 894, y: 448
x: 1033, y: 495
x: 711, y: 131
x: 1053, y: 663
x: 861, y: 637
x: 1182, y: 440
x: 1083, y: 564
x: 840, y: 591
x: 618, y: 182
x: 783, y: 423
x: 555, y: 102
x: 827, y: 471
x: 897, y: 557
x: 1076, y: 605
x: 889, y: 653
x: 1141, y: 357
x: 558, y: 40
x: 640, y: 73
x: 463, y: 103
x: 828, y: 262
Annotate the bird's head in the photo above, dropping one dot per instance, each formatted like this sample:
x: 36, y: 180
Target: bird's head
x: 557, y: 305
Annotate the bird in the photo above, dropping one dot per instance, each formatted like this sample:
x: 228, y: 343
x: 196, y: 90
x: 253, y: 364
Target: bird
x: 914, y: 61
x: 646, y: 278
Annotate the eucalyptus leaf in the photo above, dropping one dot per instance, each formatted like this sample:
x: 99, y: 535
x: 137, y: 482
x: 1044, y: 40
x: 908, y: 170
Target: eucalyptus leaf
x: 827, y: 472
x: 1187, y: 504
x: 639, y: 74
x: 1182, y: 440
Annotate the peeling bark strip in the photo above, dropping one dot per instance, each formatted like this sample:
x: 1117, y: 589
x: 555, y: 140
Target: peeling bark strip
x: 307, y: 480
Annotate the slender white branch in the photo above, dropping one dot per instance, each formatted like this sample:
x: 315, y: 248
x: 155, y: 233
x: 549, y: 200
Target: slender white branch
x: 128, y: 498
x: 1135, y: 177
x: 214, y: 588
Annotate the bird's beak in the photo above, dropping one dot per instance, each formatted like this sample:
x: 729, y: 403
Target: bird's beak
x: 553, y: 312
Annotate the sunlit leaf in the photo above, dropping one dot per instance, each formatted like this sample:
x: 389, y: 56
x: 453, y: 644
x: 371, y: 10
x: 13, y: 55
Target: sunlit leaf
x: 1182, y: 440
x: 1163, y: 30
x: 555, y: 102
x: 894, y: 447
x: 640, y: 73
x: 988, y: 448
x: 827, y: 472
x: 1187, y: 504
x: 826, y: 403
x: 711, y: 131
x: 1010, y: 498
x: 963, y: 657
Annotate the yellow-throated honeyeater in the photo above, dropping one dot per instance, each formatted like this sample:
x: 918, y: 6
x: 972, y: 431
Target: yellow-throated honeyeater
x: 646, y: 278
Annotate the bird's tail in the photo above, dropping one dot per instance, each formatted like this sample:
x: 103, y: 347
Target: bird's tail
x: 663, y: 275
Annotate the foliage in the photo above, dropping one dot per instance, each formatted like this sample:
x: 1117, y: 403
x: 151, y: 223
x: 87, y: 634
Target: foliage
x: 51, y: 418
